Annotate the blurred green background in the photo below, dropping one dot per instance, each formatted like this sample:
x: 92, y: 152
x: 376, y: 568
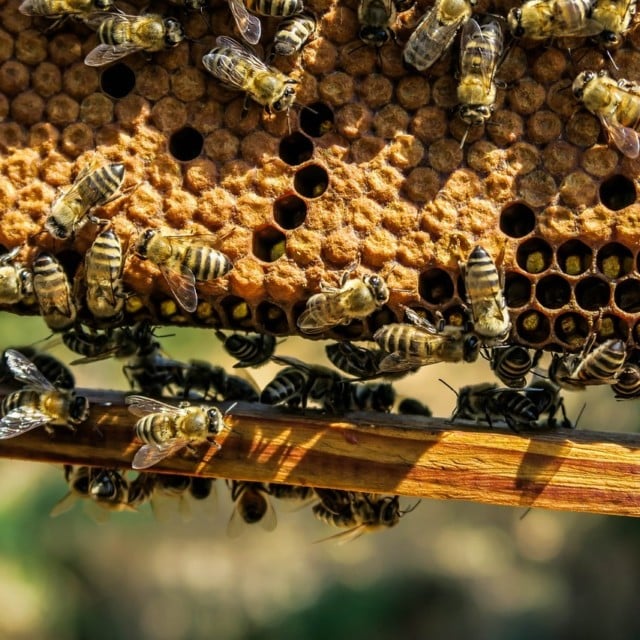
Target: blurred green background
x: 448, y: 570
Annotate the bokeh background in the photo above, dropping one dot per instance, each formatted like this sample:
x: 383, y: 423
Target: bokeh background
x: 448, y: 570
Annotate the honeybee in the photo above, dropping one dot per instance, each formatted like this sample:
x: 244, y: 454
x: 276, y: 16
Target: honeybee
x: 354, y: 360
x: 435, y: 32
x: 481, y: 50
x: 484, y: 294
x: 103, y: 275
x: 542, y: 19
x: 290, y: 491
x: 251, y: 506
x: 63, y: 8
x: 356, y: 298
x: 615, y: 17
x: 422, y: 343
x: 215, y: 383
x: 601, y: 365
x: 293, y: 33
x: 413, y: 407
x: 545, y: 395
x: 173, y: 494
x: 94, y: 344
x: 53, y: 292
x: 237, y: 67
x: 250, y: 351
x: 77, y: 479
x: 166, y: 429
x: 627, y: 384
x: 39, y: 403
x: 120, y: 35
x: 16, y: 283
x: 182, y: 262
x: 376, y: 18
x: 95, y: 185
x: 512, y: 363
x: 350, y: 395
x: 248, y: 25
x: 49, y: 366
x: 616, y: 103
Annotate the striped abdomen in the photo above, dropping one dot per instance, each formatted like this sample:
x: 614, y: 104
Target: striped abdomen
x: 206, y: 263
x: 275, y: 8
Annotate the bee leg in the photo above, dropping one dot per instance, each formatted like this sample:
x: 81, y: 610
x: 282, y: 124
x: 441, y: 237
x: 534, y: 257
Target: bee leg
x: 245, y: 108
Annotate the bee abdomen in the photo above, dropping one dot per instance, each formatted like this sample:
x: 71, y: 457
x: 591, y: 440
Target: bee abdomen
x: 207, y: 264
x: 628, y: 382
x: 287, y: 385
x: 275, y: 8
x: 604, y: 363
x: 100, y: 185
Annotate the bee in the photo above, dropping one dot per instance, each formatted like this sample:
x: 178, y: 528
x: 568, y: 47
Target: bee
x: 512, y: 363
x: 375, y: 18
x: 615, y: 17
x: 63, y: 8
x: 103, y: 275
x: 354, y: 360
x: 165, y: 429
x: 542, y: 19
x: 435, y: 32
x: 293, y: 33
x: 481, y: 48
x: 290, y: 491
x: 601, y: 365
x: 120, y: 35
x: 77, y: 479
x: 545, y: 395
x: 53, y: 292
x: 94, y: 344
x: 422, y: 343
x: 49, y: 366
x: 16, y: 284
x: 349, y: 395
x: 182, y: 263
x: 216, y: 383
x: 356, y: 298
x: 172, y: 493
x: 616, y: 103
x: 251, y: 505
x: 39, y: 403
x: 237, y: 67
x: 250, y: 351
x: 627, y: 384
x: 412, y: 407
x: 95, y: 185
x: 485, y: 296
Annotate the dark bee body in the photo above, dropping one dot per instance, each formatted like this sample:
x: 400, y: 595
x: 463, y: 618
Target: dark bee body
x: 109, y: 488
x: 49, y: 366
x: 293, y: 33
x: 349, y: 395
x: 412, y: 407
x: 545, y: 395
x: 251, y: 506
x: 360, y: 362
x: 275, y: 8
x: 376, y: 18
x: 289, y: 491
x: 103, y: 275
x: 215, y: 383
x: 16, y: 283
x: 627, y: 384
x: 53, y: 292
x: 152, y: 373
x: 250, y: 351
x: 511, y: 364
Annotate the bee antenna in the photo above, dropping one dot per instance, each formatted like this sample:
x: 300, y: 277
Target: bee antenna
x: 446, y: 384
x: 613, y: 62
x: 464, y: 137
x: 575, y: 425
x: 308, y: 108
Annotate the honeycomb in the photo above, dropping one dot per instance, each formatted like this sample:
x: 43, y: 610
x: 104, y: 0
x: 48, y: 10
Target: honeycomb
x: 367, y: 170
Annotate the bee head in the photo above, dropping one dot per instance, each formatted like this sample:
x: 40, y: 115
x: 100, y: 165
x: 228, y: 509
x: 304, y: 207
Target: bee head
x: 80, y: 482
x: 78, y: 409
x: 174, y: 33
x: 286, y: 99
x: 514, y: 20
x: 389, y: 511
x: 216, y: 423
x: 581, y: 81
x: 375, y: 36
x: 104, y: 5
x: 142, y: 245
x: 378, y: 287
x: 475, y: 115
x: 103, y: 487
x: 471, y: 348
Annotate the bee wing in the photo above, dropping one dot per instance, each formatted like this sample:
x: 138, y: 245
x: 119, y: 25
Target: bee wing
x: 25, y: 371
x: 236, y: 524
x: 625, y: 138
x: 241, y: 52
x: 346, y: 536
x: 396, y: 362
x: 183, y: 286
x: 488, y: 55
x: 149, y: 454
x: 248, y: 25
x: 308, y: 322
x: 21, y: 420
x: 29, y: 8
x: 60, y: 304
x: 142, y: 406
x: 105, y: 53
x: 417, y: 320
x: 64, y: 504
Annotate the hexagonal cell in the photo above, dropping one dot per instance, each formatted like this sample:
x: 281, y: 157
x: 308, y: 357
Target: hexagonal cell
x: 118, y: 81
x: 533, y: 327
x: 572, y: 329
x: 435, y: 286
x: 269, y: 244
x: 614, y: 260
x: 290, y: 211
x: 317, y: 119
x: 272, y: 318
x: 627, y: 295
x: 553, y: 291
x: 574, y: 257
x: 517, y: 220
x: 186, y: 144
x: 380, y: 317
x: 237, y: 312
x: 295, y: 148
x: 534, y: 255
x: 592, y: 293
x: 609, y: 327
x: 456, y: 316
x: 517, y: 289
x: 311, y: 181
x: 617, y: 192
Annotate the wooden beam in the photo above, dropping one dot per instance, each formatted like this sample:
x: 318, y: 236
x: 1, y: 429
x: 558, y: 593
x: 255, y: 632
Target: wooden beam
x: 372, y: 452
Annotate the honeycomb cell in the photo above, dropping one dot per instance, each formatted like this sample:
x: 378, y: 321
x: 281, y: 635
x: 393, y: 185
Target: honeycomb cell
x: 533, y: 327
x: 358, y: 60
x: 600, y: 161
x: 273, y: 318
x: 186, y: 144
x: 317, y: 119
x: 118, y: 80
x: 429, y: 124
x: 534, y: 255
x: 320, y: 56
x: 543, y: 127
x: 46, y: 79
x: 614, y: 260
x: 413, y: 92
x: 14, y: 77
x: 527, y: 97
x: 31, y: 47
x: 559, y: 157
x: 311, y: 181
x: 444, y: 92
x: 188, y: 84
x: 549, y: 66
x: 168, y: 114
x: 517, y: 289
x: 152, y: 82
x: 574, y: 257
x: 617, y: 192
x: 537, y: 188
x: 572, y: 329
x: 506, y: 128
x: 445, y: 155
x: 64, y: 49
x: 517, y: 220
x: 380, y: 318
x: 553, y: 291
x: 354, y: 120
x: 610, y: 327
x: 268, y: 244
x: 6, y: 46
x: 405, y: 152
x: 62, y: 109
x: 376, y: 91
x: 582, y: 129
x: 27, y: 108
x: 289, y: 211
x: 295, y: 149
x: 436, y: 286
x: 237, y: 312
x: 578, y: 189
x: 77, y: 138
x: 221, y: 146
x: 627, y: 295
x: 336, y: 88
x: 96, y: 110
x: 592, y: 293
x: 390, y: 121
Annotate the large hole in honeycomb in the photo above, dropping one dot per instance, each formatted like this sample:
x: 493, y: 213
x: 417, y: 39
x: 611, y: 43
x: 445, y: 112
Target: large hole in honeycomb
x: 311, y: 181
x: 574, y: 257
x: 295, y: 148
x: 617, y: 192
x: 614, y: 260
x: 627, y: 295
x: 316, y: 119
x: 534, y: 255
x: 553, y: 292
x: 517, y: 289
x: 237, y: 311
x: 609, y: 327
x: 118, y: 80
x: 380, y: 317
x: 533, y: 327
x: 456, y: 316
x: 517, y: 220
x: 272, y: 318
x: 289, y: 211
x: 186, y: 144
x: 571, y: 328
x: 592, y: 293
x: 435, y: 286
x: 269, y: 244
